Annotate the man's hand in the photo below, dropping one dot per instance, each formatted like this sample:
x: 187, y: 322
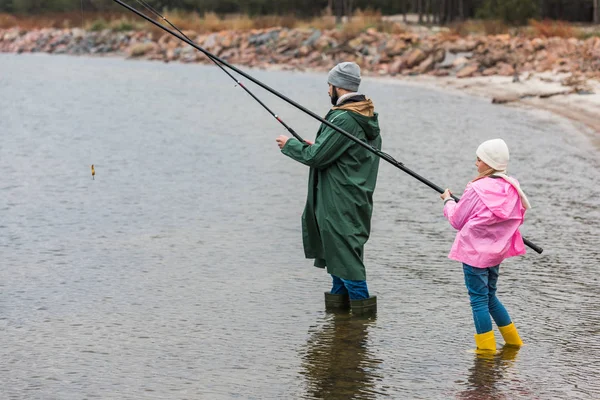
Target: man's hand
x: 281, y: 141
x: 446, y: 195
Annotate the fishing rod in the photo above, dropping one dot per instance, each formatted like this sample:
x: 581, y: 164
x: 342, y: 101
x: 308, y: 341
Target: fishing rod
x: 218, y: 64
x: 221, y: 63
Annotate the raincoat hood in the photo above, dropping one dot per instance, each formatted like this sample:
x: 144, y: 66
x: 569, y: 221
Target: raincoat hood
x: 499, y: 196
x: 363, y: 112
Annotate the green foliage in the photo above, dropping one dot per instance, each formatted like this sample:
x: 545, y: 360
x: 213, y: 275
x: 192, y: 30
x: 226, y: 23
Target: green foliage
x: 98, y: 25
x: 516, y: 12
x: 122, y: 25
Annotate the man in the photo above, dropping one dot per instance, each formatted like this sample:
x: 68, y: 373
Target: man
x: 337, y: 218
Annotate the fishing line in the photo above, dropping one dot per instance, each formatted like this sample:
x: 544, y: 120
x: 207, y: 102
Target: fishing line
x: 218, y: 64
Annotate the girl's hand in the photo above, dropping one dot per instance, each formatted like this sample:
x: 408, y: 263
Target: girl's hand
x: 446, y: 195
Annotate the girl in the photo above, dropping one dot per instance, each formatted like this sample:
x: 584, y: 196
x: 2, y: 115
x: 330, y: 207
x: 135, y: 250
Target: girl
x: 487, y: 218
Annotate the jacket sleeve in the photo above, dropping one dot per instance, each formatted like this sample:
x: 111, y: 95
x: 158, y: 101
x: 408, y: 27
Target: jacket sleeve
x: 459, y: 213
x: 328, y: 146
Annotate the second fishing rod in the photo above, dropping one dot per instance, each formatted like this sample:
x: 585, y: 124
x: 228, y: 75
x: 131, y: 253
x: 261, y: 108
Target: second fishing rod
x: 220, y: 62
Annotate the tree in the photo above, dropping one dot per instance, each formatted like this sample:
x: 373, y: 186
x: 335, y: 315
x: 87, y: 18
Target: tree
x: 339, y: 11
x: 596, y: 11
x: 511, y: 11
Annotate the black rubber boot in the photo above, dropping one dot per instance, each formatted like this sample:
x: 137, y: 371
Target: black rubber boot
x: 337, y: 301
x: 364, y: 306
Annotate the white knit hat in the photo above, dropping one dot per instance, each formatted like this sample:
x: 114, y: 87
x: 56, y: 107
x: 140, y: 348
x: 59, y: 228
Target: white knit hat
x: 494, y: 153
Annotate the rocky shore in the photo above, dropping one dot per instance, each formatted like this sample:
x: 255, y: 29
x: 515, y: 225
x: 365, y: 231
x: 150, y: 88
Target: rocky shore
x: 512, y: 68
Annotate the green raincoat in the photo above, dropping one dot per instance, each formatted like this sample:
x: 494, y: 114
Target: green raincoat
x: 336, y: 222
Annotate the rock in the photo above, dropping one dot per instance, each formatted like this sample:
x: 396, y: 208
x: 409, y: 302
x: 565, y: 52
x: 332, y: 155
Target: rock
x: 141, y: 49
x: 462, y: 46
x: 316, y: 35
x: 395, y: 47
x: 492, y: 58
x: 505, y: 38
x: 541, y: 55
x: 415, y: 57
x: 11, y: 35
x: 439, y: 56
x: 355, y: 43
x: 505, y: 99
x: 260, y: 39
x: 303, y: 51
x: 397, y: 66
x: 210, y: 42
x: 426, y: 65
x: 468, y: 71
x: 322, y: 43
x: 489, y: 72
x: 505, y: 69
x: 227, y: 42
x: 384, y: 69
x: 459, y: 62
x: 538, y: 44
x: 440, y: 72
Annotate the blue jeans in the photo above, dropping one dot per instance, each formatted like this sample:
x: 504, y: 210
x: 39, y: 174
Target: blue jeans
x: 481, y: 284
x: 357, y: 290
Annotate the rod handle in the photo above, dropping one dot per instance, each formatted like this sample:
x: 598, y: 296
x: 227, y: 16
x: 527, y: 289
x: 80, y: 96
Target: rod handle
x: 535, y: 247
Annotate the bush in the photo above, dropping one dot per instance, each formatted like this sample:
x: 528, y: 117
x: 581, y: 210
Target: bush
x: 122, y: 25
x: 98, y: 25
x: 548, y: 28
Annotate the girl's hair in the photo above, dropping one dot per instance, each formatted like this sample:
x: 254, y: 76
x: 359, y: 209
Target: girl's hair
x: 485, y: 174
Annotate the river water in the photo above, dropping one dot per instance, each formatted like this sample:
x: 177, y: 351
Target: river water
x: 178, y: 273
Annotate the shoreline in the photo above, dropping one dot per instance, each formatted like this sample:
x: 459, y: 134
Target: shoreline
x: 557, y: 75
x: 539, y: 92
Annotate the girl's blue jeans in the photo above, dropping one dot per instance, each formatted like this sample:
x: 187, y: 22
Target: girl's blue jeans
x: 357, y: 290
x: 481, y: 284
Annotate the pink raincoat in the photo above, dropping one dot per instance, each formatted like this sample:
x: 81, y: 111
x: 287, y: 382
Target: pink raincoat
x: 487, y: 218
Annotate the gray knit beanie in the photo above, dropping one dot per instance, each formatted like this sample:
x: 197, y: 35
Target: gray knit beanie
x: 345, y: 75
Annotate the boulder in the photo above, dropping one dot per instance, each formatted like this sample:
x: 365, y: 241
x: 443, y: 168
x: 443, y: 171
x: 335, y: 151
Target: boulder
x: 468, y: 71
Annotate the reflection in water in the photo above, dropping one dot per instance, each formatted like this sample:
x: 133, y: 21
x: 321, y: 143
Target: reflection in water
x: 487, y: 374
x: 337, y: 362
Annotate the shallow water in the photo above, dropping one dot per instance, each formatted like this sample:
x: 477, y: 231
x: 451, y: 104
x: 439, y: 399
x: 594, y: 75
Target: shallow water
x: 178, y: 272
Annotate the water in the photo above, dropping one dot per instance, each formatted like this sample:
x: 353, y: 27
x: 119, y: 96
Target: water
x: 178, y: 272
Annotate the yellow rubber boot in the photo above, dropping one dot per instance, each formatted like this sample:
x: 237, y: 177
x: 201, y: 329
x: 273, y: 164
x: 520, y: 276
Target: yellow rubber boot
x: 485, y: 341
x: 510, y: 335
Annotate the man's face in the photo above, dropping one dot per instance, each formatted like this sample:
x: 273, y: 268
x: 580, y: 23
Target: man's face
x: 333, y: 95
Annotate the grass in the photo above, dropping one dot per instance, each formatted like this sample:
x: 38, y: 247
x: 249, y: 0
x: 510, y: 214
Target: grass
x: 211, y: 22
x: 207, y: 23
x: 588, y: 35
x: 549, y: 28
x: 89, y: 20
x: 479, y: 27
x: 534, y: 29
